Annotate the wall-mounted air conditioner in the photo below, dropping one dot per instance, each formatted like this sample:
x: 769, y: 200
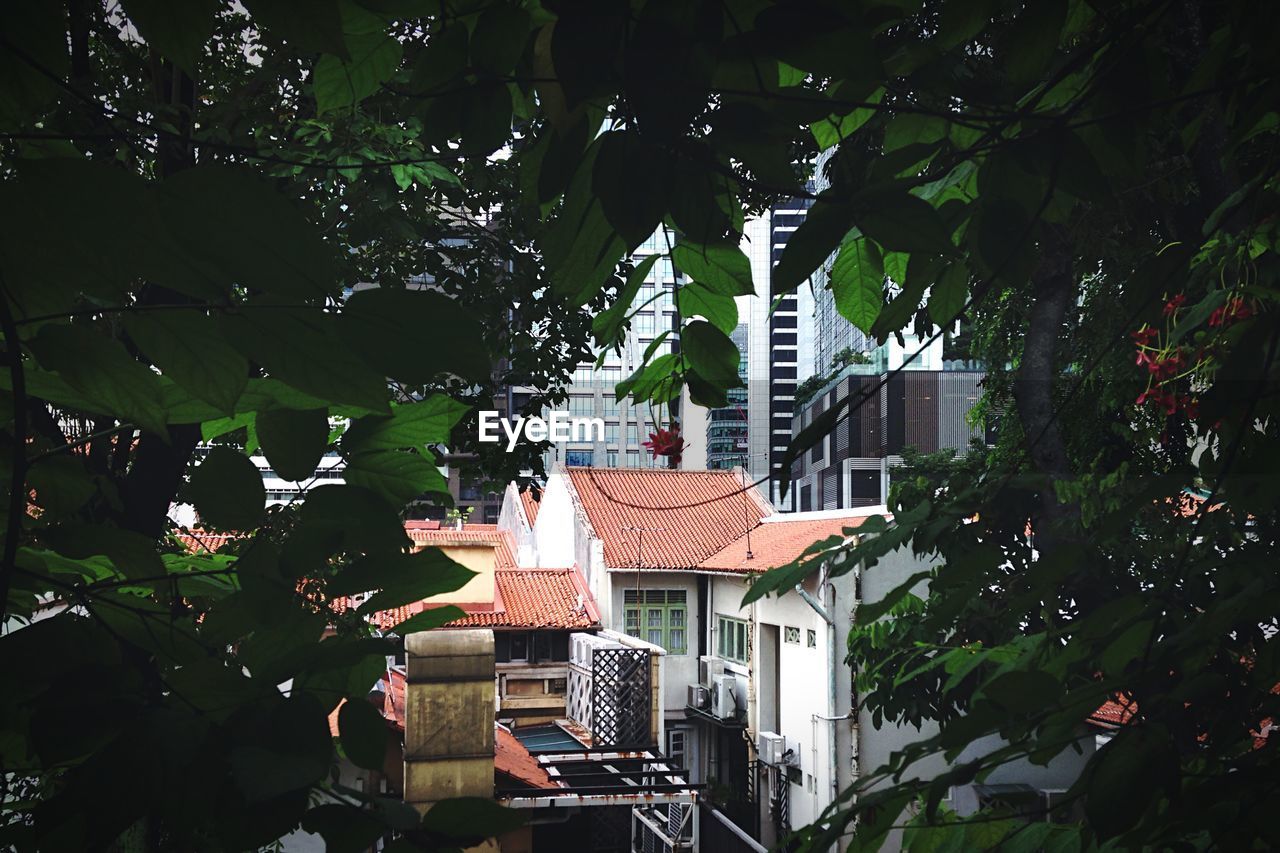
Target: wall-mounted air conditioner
x: 771, y: 746
x: 724, y: 703
x: 699, y: 697
x: 709, y: 667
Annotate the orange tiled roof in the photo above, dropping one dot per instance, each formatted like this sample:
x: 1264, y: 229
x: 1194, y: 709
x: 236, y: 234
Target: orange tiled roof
x: 504, y: 544
x: 512, y: 758
x: 776, y: 543
x: 199, y: 541
x: 523, y: 598
x: 530, y: 504
x: 674, y: 538
x: 1114, y: 713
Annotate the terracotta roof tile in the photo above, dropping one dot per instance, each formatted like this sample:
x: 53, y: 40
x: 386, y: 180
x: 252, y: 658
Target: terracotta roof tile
x: 1114, y: 713
x: 471, y: 534
x: 776, y: 543
x: 511, y: 758
x: 674, y: 538
x: 530, y: 504
x: 199, y: 541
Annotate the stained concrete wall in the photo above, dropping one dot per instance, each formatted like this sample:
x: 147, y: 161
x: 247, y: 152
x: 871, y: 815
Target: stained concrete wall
x: 448, y: 750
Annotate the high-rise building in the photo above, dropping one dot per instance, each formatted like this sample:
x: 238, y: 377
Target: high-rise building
x: 591, y: 392
x: 896, y: 402
x: 727, y: 426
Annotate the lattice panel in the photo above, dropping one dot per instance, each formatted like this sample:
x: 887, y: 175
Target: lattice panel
x: 610, y: 829
x: 620, y: 698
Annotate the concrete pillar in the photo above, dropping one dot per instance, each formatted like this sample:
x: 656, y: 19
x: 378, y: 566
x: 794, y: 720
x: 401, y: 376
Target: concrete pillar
x: 448, y: 732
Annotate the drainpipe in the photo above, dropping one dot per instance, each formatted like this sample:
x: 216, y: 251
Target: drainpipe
x: 830, y: 717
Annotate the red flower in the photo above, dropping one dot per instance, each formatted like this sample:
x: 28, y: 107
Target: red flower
x: 1171, y: 307
x: 1144, y: 358
x: 1144, y: 336
x: 1215, y: 319
x: 666, y: 442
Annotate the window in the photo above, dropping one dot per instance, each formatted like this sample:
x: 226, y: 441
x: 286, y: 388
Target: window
x: 633, y: 433
x: 644, y: 324
x: 579, y: 458
x: 611, y: 433
x: 633, y: 459
x: 581, y: 404
x: 813, y: 639
x: 611, y: 403
x: 611, y: 459
x: 731, y: 639
x: 676, y: 748
x: 583, y: 373
x: 791, y: 635
x: 657, y: 616
x: 519, y: 647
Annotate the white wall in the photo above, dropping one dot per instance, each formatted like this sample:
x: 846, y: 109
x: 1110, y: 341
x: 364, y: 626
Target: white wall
x: 678, y: 671
x: 512, y: 518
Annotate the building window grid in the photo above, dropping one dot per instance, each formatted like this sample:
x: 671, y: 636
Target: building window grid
x: 731, y: 639
x: 658, y: 616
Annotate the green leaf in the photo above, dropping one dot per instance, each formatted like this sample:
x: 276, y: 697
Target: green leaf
x: 721, y: 268
x: 188, y: 348
x: 339, y: 83
x: 133, y: 554
x: 40, y: 28
x: 386, y: 327
x: 303, y: 347
x: 499, y: 38
x: 293, y: 441
x: 345, y: 829
x: 413, y: 425
x: 627, y: 177
x: 364, y: 520
x: 711, y: 353
x: 901, y: 222
x: 226, y: 488
x: 319, y: 30
x: 606, y: 325
x: 100, y: 369
x: 399, y: 476
x: 836, y: 128
x: 1022, y: 691
x: 277, y: 251
x: 177, y: 30
x: 695, y: 300
x: 581, y: 247
x: 471, y: 818
x: 401, y: 578
x: 428, y: 619
x: 364, y: 734
x: 857, y: 281
x: 948, y: 296
x: 61, y: 484
x: 1125, y: 774
x: 824, y: 226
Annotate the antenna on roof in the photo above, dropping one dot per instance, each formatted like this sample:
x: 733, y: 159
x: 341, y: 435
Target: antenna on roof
x: 746, y: 509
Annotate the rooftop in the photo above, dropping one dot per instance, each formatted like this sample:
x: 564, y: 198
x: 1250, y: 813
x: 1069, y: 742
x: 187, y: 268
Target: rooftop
x: 523, y: 598
x: 779, y: 540
x: 643, y: 517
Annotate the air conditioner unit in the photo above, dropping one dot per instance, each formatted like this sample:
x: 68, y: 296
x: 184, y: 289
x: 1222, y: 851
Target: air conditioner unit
x: 771, y: 746
x: 699, y: 697
x: 724, y: 702
x: 709, y: 667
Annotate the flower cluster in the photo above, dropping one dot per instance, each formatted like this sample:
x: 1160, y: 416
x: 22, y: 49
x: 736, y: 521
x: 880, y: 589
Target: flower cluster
x: 666, y: 442
x: 1235, y: 309
x: 1167, y: 365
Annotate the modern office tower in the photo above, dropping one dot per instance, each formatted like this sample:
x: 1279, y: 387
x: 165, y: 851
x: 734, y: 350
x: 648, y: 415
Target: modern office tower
x: 728, y: 427
x: 925, y: 405
x: 591, y: 393
x: 790, y: 345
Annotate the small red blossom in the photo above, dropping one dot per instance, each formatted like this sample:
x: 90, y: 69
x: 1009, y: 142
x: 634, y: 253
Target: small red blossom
x: 1145, y: 336
x: 666, y: 442
x: 1171, y: 307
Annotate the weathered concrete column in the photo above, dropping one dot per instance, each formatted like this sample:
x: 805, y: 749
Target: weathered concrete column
x: 448, y: 731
